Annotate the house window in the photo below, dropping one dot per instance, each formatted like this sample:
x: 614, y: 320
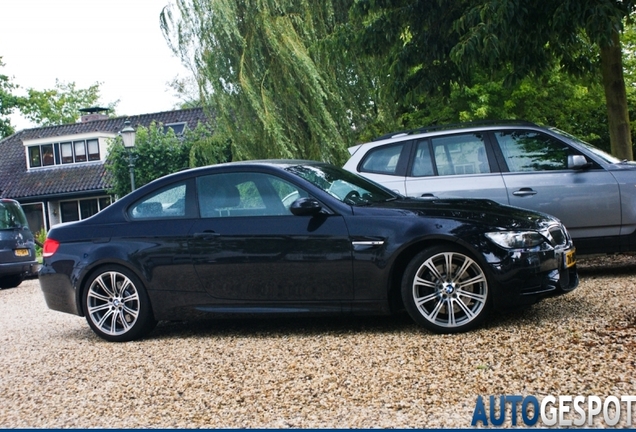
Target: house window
x: 35, y: 158
x: 80, y: 151
x: 47, y: 155
x: 67, y: 152
x: 63, y: 153
x: 93, y: 149
x: 81, y: 209
x: 178, y: 128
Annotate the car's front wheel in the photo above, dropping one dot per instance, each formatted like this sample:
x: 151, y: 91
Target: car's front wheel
x: 116, y: 305
x: 446, y: 290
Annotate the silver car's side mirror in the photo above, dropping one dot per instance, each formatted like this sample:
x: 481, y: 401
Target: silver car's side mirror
x: 578, y: 162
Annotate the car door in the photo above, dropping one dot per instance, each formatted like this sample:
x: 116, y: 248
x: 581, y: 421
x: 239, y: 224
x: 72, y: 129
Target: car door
x: 157, y: 234
x: 457, y: 165
x: 586, y: 200
x: 248, y: 246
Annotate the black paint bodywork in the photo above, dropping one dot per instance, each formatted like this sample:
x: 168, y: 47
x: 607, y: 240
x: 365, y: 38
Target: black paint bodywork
x: 344, y: 259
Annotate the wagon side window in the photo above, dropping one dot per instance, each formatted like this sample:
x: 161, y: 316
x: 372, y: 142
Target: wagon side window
x: 460, y: 154
x: 383, y: 160
x: 532, y: 151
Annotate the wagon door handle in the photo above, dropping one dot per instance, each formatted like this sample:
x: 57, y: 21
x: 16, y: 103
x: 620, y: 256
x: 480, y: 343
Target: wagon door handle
x: 206, y: 235
x: 525, y: 192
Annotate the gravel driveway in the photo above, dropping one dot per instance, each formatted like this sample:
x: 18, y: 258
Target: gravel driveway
x: 308, y: 373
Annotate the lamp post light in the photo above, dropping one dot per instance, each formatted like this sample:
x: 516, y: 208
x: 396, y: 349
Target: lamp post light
x: 128, y: 136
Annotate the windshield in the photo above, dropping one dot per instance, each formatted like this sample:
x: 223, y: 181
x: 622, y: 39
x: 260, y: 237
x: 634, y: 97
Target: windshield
x: 608, y: 158
x: 347, y: 187
x: 11, y: 215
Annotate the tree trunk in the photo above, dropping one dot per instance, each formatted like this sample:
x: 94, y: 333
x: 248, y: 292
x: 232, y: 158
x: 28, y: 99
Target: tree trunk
x: 616, y: 99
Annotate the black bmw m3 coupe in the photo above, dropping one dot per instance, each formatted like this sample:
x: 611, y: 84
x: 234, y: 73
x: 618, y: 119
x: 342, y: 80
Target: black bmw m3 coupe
x: 273, y: 238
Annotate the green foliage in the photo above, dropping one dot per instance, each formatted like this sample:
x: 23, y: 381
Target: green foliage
x: 40, y: 238
x: 61, y: 104
x: 187, y: 91
x: 467, y: 59
x: 8, y: 102
x: 557, y: 99
x: 56, y: 106
x: 279, y: 74
x: 158, y: 153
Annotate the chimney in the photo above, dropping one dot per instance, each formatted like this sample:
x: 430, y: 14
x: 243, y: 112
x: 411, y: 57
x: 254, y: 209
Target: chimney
x: 93, y: 113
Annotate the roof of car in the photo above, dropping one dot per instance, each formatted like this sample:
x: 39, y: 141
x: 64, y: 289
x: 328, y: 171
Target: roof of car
x: 458, y: 126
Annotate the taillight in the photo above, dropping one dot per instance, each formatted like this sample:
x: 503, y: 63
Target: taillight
x: 50, y: 247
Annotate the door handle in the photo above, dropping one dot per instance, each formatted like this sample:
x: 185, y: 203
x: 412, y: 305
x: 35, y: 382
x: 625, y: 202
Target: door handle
x: 206, y: 235
x: 524, y: 192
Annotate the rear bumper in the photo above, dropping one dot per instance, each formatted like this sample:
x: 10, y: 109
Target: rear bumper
x: 25, y: 268
x: 59, y: 293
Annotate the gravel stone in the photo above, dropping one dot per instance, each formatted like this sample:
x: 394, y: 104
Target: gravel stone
x: 368, y: 372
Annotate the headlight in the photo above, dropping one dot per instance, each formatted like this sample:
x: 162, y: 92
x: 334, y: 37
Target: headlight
x: 516, y: 239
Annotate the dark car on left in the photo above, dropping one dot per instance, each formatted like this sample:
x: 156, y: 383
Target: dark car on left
x: 17, y: 245
x: 281, y: 238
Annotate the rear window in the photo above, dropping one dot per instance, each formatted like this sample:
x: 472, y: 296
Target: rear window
x: 11, y: 215
x: 382, y: 160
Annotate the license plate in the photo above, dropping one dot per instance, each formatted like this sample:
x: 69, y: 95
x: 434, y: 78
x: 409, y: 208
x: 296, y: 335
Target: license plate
x: 21, y: 252
x: 570, y: 258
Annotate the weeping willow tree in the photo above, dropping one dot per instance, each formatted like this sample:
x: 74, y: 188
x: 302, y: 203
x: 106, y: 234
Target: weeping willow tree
x: 278, y: 74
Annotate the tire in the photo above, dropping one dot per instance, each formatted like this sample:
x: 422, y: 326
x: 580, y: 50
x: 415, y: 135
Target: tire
x: 11, y: 281
x: 445, y: 290
x: 116, y: 305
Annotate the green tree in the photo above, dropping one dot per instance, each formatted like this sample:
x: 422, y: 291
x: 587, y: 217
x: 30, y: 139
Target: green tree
x: 158, y: 153
x: 555, y: 99
x: 61, y: 104
x: 8, y: 103
x: 430, y: 46
x: 279, y: 74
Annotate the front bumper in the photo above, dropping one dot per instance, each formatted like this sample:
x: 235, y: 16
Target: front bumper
x: 526, y: 277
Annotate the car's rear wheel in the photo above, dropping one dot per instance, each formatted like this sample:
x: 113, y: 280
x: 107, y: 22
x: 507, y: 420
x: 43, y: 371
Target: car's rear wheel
x: 116, y: 305
x: 445, y: 290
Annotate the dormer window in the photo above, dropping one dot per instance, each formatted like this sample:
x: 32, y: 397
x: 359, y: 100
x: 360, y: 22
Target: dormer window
x: 178, y: 128
x: 70, y: 151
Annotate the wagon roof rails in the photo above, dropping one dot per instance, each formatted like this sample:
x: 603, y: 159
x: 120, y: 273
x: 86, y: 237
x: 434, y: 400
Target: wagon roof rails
x: 463, y: 125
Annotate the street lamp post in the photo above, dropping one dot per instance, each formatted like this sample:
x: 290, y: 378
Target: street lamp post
x: 128, y: 136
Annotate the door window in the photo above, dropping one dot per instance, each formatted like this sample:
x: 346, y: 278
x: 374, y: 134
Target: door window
x: 526, y: 151
x: 460, y: 154
x: 422, y: 162
x: 245, y: 194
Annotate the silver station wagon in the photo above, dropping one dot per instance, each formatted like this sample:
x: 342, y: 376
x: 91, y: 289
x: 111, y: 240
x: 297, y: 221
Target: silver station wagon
x: 516, y: 163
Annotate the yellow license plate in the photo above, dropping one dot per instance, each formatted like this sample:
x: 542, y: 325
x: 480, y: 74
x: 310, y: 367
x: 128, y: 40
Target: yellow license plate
x: 570, y: 258
x: 21, y: 252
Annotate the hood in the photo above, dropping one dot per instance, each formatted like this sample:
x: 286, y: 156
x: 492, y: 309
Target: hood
x: 482, y: 211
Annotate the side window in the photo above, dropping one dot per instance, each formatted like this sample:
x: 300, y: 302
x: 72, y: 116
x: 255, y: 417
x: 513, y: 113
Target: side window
x: 245, y: 194
x: 382, y: 160
x: 167, y: 203
x: 532, y: 151
x: 422, y: 162
x: 460, y: 154
x: 287, y: 192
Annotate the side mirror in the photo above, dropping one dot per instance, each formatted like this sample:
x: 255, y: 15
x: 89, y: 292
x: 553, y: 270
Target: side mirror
x: 578, y: 162
x: 305, y: 207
